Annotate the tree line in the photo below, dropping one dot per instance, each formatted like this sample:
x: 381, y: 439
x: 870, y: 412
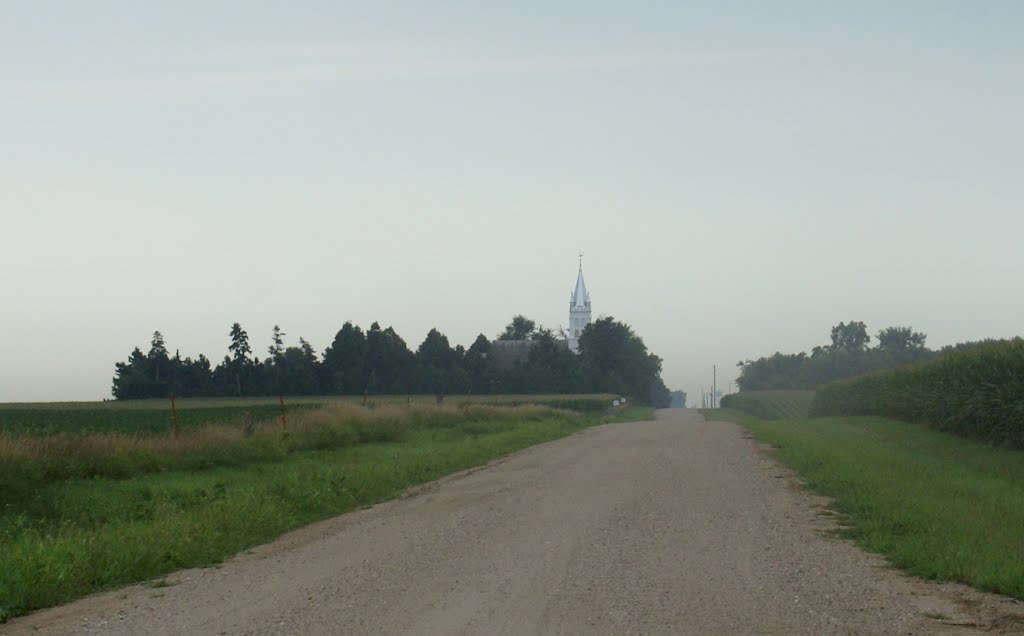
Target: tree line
x: 848, y: 354
x: 612, y: 359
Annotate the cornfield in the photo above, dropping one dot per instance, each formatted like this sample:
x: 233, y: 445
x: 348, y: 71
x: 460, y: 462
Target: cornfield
x: 976, y: 393
x: 771, y: 405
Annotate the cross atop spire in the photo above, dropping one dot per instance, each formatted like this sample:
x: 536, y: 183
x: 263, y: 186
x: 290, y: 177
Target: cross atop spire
x: 581, y: 261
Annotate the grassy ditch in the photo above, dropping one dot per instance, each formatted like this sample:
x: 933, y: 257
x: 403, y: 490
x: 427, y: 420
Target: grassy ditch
x: 84, y: 514
x: 935, y: 505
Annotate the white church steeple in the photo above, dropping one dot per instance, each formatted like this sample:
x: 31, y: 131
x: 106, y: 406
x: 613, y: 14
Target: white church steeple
x: 579, y: 311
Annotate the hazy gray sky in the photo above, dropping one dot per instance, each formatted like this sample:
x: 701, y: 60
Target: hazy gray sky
x: 740, y: 175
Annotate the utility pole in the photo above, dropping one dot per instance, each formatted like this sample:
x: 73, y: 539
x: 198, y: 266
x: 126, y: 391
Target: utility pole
x: 714, y: 385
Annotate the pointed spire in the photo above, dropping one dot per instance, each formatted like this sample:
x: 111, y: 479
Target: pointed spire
x: 580, y: 297
x: 579, y: 311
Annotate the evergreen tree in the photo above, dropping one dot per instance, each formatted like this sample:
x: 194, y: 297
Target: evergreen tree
x: 477, y: 365
x: 197, y: 377
x: 239, y: 348
x: 157, y: 355
x: 344, y: 361
x: 612, y: 359
x: 307, y: 350
x: 395, y: 365
x: 300, y: 373
x: 131, y: 378
x: 388, y: 361
x: 276, y: 342
x: 434, y: 362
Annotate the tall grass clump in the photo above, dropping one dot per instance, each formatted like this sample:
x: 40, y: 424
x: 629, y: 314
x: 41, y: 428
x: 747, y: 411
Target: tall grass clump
x: 976, y: 393
x: 120, y: 455
x: 153, y: 417
x: 128, y: 418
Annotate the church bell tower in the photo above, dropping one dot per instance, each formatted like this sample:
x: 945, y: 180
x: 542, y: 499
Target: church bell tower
x: 579, y: 311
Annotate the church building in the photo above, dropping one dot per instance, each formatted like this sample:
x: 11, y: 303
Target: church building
x: 579, y: 311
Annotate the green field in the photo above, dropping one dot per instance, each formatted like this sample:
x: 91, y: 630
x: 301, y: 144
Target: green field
x: 81, y: 512
x: 771, y: 405
x: 247, y: 402
x: 153, y: 417
x: 935, y: 505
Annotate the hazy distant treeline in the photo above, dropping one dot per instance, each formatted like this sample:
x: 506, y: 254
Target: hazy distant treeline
x: 848, y: 354
x: 377, y: 361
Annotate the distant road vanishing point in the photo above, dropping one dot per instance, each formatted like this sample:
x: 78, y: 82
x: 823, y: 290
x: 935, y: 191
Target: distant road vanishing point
x: 676, y: 526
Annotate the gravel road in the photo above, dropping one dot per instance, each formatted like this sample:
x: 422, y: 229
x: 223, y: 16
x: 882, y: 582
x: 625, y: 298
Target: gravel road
x: 670, y: 527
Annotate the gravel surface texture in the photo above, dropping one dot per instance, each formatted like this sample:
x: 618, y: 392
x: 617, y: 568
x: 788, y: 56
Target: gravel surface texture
x: 677, y: 526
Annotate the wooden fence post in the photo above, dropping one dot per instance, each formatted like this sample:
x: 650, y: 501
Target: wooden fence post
x: 248, y: 425
x: 174, y: 417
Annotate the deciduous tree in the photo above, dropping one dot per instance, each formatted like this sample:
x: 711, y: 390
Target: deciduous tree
x: 899, y: 339
x: 521, y: 328
x: 852, y: 337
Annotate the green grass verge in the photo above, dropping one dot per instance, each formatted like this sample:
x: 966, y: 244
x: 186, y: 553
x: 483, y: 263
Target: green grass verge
x: 86, y: 535
x: 937, y: 506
